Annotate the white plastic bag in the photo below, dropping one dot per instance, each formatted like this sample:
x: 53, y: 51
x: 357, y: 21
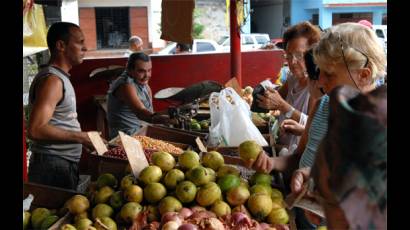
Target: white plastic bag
x: 231, y: 122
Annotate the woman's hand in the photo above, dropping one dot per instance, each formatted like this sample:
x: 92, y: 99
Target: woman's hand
x: 299, y: 177
x: 292, y: 127
x: 273, y: 101
x: 263, y: 163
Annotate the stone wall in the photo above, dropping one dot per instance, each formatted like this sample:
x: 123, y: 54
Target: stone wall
x: 212, y: 16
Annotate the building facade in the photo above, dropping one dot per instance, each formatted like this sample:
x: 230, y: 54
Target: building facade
x: 326, y: 13
x: 108, y: 24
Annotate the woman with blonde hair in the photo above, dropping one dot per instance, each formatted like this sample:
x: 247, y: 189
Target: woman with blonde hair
x: 347, y: 54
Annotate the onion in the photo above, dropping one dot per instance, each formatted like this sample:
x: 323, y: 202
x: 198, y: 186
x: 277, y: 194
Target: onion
x: 171, y: 216
x: 202, y: 214
x: 238, y: 217
x: 185, y: 213
x: 214, y: 224
x: 198, y: 209
x: 171, y: 225
x: 188, y: 227
x: 281, y: 227
x: 265, y: 226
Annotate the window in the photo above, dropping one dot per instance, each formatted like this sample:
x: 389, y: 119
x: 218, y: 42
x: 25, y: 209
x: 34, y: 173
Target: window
x: 52, y: 14
x: 379, y: 33
x: 261, y: 40
x: 113, y: 29
x: 351, y: 17
x: 204, y: 46
x: 223, y: 39
x: 315, y: 19
x: 247, y: 40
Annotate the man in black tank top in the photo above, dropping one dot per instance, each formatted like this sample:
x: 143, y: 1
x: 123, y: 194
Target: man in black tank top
x: 53, y: 126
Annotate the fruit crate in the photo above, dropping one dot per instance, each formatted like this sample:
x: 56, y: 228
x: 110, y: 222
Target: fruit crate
x: 165, y: 134
x: 50, y: 197
x: 277, y: 182
x: 47, y: 196
x: 98, y: 165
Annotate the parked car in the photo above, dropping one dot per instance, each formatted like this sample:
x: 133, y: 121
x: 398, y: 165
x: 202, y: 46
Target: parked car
x: 381, y: 32
x: 248, y: 41
x: 198, y: 46
x: 278, y: 42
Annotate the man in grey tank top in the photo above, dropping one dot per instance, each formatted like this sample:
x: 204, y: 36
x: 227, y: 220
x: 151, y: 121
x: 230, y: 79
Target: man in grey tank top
x: 130, y: 98
x: 53, y: 126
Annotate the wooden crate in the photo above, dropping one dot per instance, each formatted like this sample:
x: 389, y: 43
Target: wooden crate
x: 168, y: 135
x: 98, y: 165
x: 47, y: 196
x: 165, y: 134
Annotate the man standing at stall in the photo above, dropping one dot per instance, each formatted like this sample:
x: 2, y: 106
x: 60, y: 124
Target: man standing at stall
x: 53, y: 126
x: 130, y: 98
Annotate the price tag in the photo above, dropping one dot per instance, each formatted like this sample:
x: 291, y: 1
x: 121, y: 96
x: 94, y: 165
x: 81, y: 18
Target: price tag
x: 200, y: 145
x: 135, y: 153
x: 98, y: 143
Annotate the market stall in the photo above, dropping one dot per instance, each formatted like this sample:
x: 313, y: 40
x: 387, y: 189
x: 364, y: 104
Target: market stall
x: 181, y: 182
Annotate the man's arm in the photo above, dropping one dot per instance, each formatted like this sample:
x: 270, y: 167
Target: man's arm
x: 48, y: 93
x: 128, y: 94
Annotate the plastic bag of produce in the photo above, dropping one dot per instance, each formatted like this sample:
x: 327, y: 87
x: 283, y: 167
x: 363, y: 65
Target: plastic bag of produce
x: 231, y: 122
x: 34, y: 25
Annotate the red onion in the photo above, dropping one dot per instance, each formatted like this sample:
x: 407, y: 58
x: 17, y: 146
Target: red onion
x: 185, y: 213
x: 171, y: 216
x: 238, y: 217
x: 202, y: 215
x: 265, y: 226
x: 188, y: 227
x: 282, y: 227
x: 197, y: 209
x: 214, y: 224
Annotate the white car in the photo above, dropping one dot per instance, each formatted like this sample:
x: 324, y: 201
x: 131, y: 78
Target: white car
x: 381, y: 32
x: 248, y: 41
x: 199, y: 46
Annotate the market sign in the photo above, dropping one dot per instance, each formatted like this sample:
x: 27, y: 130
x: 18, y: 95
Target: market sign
x: 135, y: 153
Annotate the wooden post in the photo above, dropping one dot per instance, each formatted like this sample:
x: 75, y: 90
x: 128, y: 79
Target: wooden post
x: 235, y: 43
x: 25, y: 178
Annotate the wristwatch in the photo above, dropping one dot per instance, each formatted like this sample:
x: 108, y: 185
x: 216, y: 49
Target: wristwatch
x: 289, y: 114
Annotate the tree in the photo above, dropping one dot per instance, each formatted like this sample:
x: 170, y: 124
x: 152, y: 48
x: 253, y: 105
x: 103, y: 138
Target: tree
x: 197, y: 27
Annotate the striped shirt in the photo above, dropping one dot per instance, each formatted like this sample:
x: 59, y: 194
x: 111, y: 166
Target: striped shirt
x: 317, y: 132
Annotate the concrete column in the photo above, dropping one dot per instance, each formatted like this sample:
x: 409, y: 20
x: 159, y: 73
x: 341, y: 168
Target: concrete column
x: 325, y: 18
x: 377, y: 17
x: 69, y: 11
x: 246, y: 28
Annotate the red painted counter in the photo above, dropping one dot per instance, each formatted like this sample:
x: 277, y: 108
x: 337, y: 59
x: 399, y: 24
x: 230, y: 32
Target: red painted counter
x: 173, y: 71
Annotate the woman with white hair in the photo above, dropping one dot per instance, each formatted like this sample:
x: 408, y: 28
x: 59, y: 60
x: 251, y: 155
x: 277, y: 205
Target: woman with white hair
x: 347, y: 54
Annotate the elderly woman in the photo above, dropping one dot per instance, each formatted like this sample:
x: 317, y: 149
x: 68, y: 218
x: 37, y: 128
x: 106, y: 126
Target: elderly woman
x: 292, y: 99
x: 347, y: 54
x: 350, y: 170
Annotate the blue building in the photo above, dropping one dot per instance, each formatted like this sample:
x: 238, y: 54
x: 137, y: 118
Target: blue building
x: 274, y: 16
x: 326, y: 13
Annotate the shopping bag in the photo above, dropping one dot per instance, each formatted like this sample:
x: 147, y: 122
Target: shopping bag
x: 231, y: 122
x: 34, y: 26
